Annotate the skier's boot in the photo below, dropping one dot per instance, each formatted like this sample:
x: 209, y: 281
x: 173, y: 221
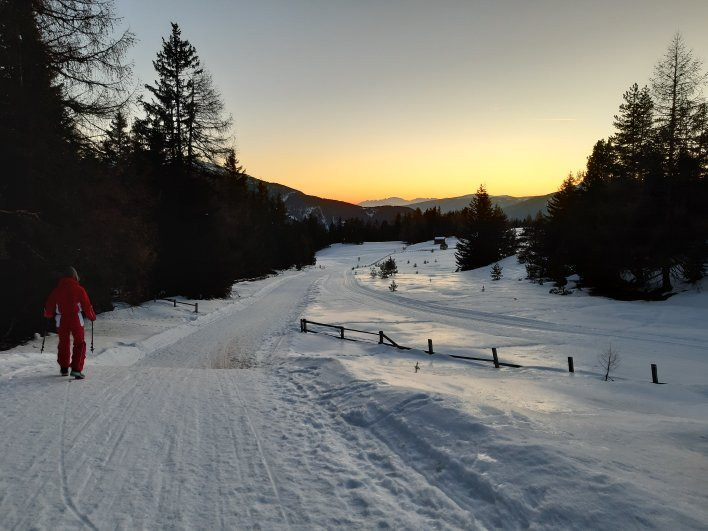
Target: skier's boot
x: 64, y: 371
x: 78, y: 375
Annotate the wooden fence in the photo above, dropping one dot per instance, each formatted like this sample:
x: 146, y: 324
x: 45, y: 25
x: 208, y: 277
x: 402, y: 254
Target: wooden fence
x: 175, y: 302
x: 384, y: 339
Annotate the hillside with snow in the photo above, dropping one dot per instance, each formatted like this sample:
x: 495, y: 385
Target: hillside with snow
x: 234, y: 418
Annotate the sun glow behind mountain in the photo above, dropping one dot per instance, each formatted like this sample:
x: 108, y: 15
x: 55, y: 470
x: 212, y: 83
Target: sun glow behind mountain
x: 354, y: 100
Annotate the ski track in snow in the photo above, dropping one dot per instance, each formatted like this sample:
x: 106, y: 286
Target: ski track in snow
x: 466, y: 316
x: 236, y: 420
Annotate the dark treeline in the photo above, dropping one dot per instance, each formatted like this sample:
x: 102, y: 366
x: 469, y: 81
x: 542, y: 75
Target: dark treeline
x: 415, y: 227
x: 145, y: 205
x: 636, y: 220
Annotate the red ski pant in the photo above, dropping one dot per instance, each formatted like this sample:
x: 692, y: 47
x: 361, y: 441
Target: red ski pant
x: 79, y: 351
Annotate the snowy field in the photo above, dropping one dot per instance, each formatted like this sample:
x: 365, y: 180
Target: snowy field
x: 232, y: 418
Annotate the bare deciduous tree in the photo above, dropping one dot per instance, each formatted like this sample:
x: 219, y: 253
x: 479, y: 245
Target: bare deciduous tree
x: 609, y: 361
x: 86, y: 54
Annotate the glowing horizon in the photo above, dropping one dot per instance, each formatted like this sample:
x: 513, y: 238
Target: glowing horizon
x: 367, y: 100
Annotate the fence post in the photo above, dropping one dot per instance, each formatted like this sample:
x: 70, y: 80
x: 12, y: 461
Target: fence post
x: 430, y: 346
x: 196, y: 307
x: 304, y: 325
x: 654, y: 375
x: 341, y: 332
x: 174, y: 302
x: 380, y: 337
x: 496, y: 359
x: 571, y: 368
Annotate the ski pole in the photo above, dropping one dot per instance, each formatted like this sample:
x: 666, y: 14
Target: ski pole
x: 44, y: 334
x: 91, y: 336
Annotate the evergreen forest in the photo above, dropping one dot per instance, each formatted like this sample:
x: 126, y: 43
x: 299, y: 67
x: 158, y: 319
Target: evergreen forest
x: 143, y: 204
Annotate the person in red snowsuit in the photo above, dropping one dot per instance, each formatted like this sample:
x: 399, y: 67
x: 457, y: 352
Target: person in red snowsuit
x: 65, y: 304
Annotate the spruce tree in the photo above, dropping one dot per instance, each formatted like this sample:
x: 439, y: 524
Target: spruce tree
x: 486, y: 236
x: 496, y: 272
x: 186, y: 108
x: 117, y: 145
x: 634, y: 138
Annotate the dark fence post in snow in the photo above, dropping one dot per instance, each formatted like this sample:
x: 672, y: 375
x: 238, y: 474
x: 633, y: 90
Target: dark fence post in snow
x: 430, y: 346
x: 496, y: 359
x: 571, y: 368
x: 196, y: 307
x: 341, y: 332
x: 654, y: 375
x: 174, y: 302
x: 381, y: 334
x: 304, y: 325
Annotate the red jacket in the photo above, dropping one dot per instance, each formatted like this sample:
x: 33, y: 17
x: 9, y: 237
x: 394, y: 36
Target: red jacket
x: 68, y: 300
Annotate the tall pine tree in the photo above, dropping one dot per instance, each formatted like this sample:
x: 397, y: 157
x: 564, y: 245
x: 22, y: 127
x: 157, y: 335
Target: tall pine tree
x: 486, y: 236
x: 185, y: 110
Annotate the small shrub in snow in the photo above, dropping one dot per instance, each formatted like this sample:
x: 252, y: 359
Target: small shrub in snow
x: 609, y: 361
x: 496, y: 271
x: 393, y: 286
x: 373, y: 272
x: 560, y: 288
x: 388, y: 268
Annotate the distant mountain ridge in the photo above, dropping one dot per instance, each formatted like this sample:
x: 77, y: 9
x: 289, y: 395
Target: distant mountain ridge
x: 300, y: 205
x: 513, y: 207
x: 394, y: 201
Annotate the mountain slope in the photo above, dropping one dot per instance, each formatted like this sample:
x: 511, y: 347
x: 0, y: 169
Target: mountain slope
x: 394, y: 201
x: 301, y: 205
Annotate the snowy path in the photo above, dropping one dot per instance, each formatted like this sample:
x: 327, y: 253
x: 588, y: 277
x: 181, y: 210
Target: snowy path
x: 172, y: 442
x: 233, y: 419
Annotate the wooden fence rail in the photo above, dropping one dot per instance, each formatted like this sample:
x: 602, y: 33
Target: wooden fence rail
x: 386, y: 340
x: 175, y: 302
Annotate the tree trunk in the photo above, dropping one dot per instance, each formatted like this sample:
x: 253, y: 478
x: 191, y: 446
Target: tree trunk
x: 666, y: 278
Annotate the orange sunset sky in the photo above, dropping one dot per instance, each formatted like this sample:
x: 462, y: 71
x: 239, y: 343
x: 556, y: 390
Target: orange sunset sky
x: 358, y: 100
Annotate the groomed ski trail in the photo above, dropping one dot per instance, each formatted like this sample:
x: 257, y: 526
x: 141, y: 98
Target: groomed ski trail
x: 182, y: 440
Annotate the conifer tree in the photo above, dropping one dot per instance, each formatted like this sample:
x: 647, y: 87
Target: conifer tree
x: 634, y: 138
x: 117, y: 144
x: 496, y: 272
x: 485, y: 236
x: 186, y: 109
x: 676, y: 84
x: 676, y: 87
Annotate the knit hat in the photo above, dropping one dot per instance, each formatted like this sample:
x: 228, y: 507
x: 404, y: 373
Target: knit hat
x: 71, y: 272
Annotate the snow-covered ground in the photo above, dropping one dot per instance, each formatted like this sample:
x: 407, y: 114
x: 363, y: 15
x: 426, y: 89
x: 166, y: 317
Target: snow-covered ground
x: 232, y: 418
